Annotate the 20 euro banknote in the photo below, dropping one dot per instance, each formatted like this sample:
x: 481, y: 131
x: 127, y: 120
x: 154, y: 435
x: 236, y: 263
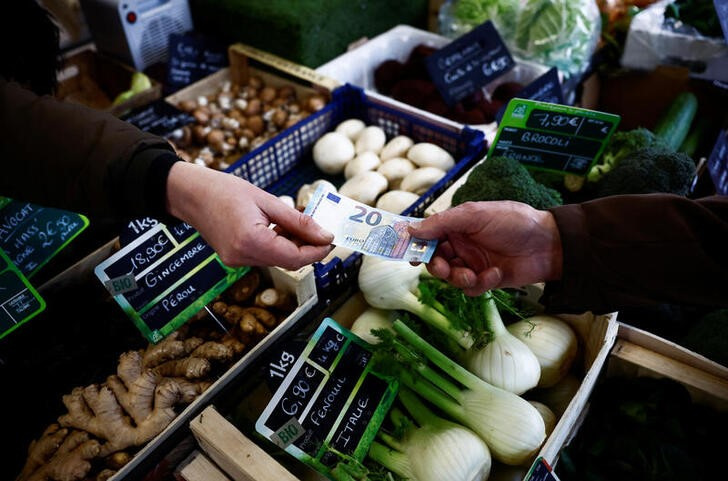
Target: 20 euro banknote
x: 367, y: 229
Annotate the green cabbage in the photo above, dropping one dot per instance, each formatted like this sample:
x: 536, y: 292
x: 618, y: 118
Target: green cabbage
x: 557, y: 33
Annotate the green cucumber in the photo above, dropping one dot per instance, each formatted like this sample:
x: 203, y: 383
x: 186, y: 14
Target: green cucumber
x: 674, y: 125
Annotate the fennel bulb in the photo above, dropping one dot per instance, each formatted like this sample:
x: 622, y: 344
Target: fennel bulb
x: 369, y: 320
x: 552, y: 341
x: 549, y: 418
x: 436, y: 449
x: 503, y: 360
x: 512, y: 428
x: 392, y: 285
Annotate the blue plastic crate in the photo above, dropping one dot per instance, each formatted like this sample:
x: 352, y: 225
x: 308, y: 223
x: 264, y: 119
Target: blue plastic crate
x: 284, y: 163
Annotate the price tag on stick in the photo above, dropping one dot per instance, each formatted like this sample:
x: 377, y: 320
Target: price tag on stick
x: 552, y: 137
x: 331, y: 403
x: 468, y: 63
x: 718, y: 163
x: 19, y: 301
x: 161, y: 281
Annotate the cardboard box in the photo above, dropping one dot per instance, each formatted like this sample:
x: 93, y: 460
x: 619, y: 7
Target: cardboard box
x: 231, y: 449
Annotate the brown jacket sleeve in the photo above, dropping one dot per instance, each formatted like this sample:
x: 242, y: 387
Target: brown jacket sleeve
x: 69, y: 156
x: 633, y: 250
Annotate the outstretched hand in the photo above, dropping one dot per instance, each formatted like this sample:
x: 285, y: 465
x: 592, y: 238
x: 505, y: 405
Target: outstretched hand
x: 234, y: 216
x: 486, y: 245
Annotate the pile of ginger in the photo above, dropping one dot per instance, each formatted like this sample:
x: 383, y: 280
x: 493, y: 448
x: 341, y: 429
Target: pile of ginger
x: 106, y: 423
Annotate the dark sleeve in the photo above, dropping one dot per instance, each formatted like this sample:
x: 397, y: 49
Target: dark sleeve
x: 634, y: 250
x: 69, y: 156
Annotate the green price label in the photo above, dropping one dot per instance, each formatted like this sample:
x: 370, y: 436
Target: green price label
x: 19, y: 301
x: 121, y: 285
x: 552, y: 137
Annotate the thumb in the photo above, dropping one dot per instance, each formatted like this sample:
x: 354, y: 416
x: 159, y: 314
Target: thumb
x: 301, y: 226
x: 433, y: 227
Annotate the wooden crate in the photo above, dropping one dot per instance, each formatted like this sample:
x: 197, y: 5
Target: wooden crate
x: 231, y: 449
x: 92, y: 79
x: 638, y: 353
x: 302, y: 284
x: 275, y: 71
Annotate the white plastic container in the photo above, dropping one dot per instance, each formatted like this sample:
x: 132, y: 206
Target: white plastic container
x: 357, y: 66
x: 649, y: 45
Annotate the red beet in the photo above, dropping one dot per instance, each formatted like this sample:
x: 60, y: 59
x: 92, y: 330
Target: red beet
x: 387, y: 74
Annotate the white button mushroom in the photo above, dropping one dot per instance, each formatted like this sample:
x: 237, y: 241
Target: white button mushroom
x: 362, y: 162
x: 396, y: 201
x: 425, y: 154
x: 395, y: 170
x: 397, y: 147
x: 419, y: 180
x: 364, y: 187
x: 305, y: 192
x: 332, y: 151
x: 351, y: 128
x: 372, y: 139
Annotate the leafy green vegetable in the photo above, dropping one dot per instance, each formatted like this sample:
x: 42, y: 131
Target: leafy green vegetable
x: 503, y: 178
x: 622, y: 145
x: 709, y: 336
x: 559, y: 33
x: 474, y: 12
x: 649, y: 171
x: 645, y: 429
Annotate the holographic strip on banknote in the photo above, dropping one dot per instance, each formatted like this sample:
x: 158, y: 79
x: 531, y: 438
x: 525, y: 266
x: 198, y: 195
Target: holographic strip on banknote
x: 367, y: 229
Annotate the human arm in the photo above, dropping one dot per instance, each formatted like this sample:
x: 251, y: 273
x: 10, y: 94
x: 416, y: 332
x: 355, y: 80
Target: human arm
x: 233, y: 216
x: 70, y: 156
x: 634, y: 250
x: 604, y: 254
x: 73, y: 157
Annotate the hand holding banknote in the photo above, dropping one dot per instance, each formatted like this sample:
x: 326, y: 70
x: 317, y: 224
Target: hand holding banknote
x: 485, y: 245
x: 367, y: 229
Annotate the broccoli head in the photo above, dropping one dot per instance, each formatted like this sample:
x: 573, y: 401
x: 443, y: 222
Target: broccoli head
x: 649, y: 171
x: 621, y: 145
x: 503, y: 178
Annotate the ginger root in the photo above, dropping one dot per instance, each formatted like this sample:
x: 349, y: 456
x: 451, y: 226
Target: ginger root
x: 59, y: 455
x: 244, y: 287
x: 142, y: 393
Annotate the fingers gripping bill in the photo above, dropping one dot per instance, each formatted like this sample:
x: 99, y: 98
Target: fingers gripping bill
x: 366, y: 229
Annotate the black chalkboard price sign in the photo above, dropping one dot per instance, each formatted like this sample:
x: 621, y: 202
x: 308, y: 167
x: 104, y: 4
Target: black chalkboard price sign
x: 468, y: 63
x: 193, y: 57
x: 331, y: 403
x: 541, y: 471
x: 721, y: 9
x: 159, y: 118
x: 718, y: 163
x: 19, y: 301
x: 31, y: 234
x: 546, y: 88
x: 552, y: 137
x: 161, y: 279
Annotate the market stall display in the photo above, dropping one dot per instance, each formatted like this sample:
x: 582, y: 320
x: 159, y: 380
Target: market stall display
x: 238, y: 109
x: 242, y: 410
x: 286, y: 164
x: 360, y: 368
x: 111, y: 424
x: 392, y: 64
